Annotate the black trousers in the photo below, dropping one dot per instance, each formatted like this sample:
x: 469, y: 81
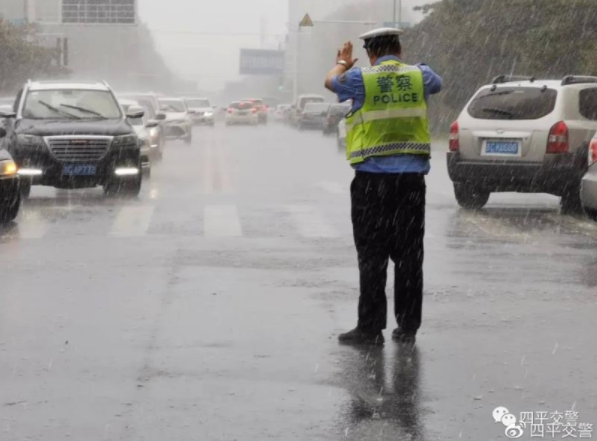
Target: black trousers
x: 388, y: 217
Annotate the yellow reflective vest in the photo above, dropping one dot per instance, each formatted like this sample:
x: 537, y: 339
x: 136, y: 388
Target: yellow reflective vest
x: 393, y: 119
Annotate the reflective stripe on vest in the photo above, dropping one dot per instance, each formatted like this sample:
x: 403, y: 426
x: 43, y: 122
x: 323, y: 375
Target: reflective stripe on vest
x: 393, y: 119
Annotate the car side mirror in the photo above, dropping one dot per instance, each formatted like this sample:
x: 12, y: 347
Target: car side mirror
x: 160, y: 117
x: 152, y: 124
x: 2, y: 132
x: 135, y: 112
x: 7, y: 111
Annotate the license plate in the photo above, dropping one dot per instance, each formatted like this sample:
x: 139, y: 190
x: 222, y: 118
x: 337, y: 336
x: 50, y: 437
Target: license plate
x: 507, y: 148
x: 79, y: 170
x: 242, y: 113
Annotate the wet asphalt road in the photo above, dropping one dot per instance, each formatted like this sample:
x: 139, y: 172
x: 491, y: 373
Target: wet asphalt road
x: 209, y: 308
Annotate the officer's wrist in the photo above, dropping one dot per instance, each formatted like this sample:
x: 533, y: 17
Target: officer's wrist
x: 343, y: 63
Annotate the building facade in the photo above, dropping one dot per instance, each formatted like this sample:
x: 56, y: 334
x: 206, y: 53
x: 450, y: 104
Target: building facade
x: 98, y: 39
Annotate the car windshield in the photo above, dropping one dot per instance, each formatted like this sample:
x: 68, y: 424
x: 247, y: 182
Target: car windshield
x: 71, y: 104
x: 241, y: 106
x: 304, y: 101
x: 338, y: 110
x: 172, y: 106
x: 513, y: 103
x: 198, y: 103
x: 316, y: 108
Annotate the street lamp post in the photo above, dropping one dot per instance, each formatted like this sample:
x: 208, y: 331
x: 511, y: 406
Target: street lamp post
x: 399, y: 11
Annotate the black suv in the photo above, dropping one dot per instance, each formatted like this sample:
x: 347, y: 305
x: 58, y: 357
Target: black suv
x: 74, y: 135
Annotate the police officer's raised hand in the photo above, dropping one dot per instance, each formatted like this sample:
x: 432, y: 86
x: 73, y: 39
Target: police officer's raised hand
x: 345, y: 55
x: 344, y: 62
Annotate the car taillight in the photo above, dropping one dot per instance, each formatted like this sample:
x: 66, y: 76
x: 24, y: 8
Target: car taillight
x: 558, y: 138
x: 254, y: 109
x: 593, y: 152
x: 454, y: 137
x: 230, y: 110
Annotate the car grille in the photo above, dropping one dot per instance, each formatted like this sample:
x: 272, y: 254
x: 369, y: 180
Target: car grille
x: 79, y: 149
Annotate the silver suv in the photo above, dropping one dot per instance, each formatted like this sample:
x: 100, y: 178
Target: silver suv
x: 524, y: 135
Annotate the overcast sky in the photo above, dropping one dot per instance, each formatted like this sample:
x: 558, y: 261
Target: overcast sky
x: 178, y: 26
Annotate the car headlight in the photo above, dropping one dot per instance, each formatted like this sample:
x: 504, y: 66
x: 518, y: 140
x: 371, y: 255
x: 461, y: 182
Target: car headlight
x: 8, y: 168
x: 125, y: 140
x: 29, y: 140
x: 208, y: 114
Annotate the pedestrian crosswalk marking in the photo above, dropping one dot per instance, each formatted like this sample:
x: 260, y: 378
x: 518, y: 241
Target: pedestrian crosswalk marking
x: 221, y: 221
x: 132, y: 222
x: 310, y: 222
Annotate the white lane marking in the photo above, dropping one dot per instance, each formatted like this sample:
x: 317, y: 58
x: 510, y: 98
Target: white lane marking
x: 310, y: 222
x: 132, y: 222
x: 32, y: 225
x: 208, y: 166
x: 223, y: 160
x: 221, y: 221
x: 333, y: 187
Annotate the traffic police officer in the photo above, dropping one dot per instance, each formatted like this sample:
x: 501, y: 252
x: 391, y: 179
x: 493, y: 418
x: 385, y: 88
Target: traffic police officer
x: 388, y: 145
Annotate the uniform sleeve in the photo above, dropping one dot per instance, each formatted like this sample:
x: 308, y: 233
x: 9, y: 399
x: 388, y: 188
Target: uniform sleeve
x: 349, y: 86
x: 433, y: 82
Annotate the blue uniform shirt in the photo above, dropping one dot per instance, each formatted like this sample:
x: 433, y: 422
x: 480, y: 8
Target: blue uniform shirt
x: 350, y: 86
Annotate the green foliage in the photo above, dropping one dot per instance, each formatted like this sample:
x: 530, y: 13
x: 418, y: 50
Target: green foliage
x: 21, y: 58
x: 469, y: 42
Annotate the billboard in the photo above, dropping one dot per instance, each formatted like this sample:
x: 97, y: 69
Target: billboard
x: 99, y: 11
x: 261, y: 62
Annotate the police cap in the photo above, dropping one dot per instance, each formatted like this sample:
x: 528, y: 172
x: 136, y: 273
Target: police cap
x: 381, y: 37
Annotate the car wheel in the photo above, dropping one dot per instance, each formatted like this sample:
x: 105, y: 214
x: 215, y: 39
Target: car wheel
x: 9, y: 212
x: 591, y: 214
x: 470, y: 197
x: 571, y: 202
x: 25, y: 189
x: 188, y: 140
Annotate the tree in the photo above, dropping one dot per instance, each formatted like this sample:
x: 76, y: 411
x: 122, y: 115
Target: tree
x: 21, y: 57
x: 470, y: 41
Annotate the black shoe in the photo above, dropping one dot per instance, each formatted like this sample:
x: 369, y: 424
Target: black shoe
x: 404, y: 336
x: 358, y: 337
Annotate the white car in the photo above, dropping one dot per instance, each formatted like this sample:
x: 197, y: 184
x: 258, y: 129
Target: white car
x: 142, y: 127
x: 241, y: 112
x: 280, y: 112
x: 589, y: 182
x: 201, y: 111
x: 524, y: 135
x: 341, y: 139
x: 178, y: 123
